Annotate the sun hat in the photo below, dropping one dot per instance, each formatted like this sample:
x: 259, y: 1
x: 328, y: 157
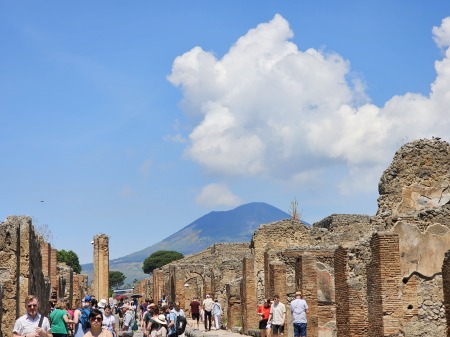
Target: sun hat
x: 161, y: 319
x: 102, y: 303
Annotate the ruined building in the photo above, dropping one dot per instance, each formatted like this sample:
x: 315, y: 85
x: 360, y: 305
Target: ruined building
x: 28, y: 266
x: 381, y: 275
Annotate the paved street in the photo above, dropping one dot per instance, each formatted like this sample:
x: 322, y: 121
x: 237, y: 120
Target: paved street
x: 200, y: 333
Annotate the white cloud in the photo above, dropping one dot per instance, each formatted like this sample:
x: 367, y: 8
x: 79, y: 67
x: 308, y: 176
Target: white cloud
x: 213, y: 195
x: 441, y: 34
x: 267, y: 108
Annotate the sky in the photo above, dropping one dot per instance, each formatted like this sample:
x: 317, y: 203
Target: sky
x: 134, y: 119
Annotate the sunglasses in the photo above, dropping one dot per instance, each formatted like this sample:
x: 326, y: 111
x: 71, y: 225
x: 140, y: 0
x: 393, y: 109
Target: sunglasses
x: 31, y: 305
x: 98, y: 319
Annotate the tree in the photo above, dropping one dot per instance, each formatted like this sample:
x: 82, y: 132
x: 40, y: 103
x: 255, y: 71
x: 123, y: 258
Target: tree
x: 70, y: 258
x: 159, y: 259
x: 116, y: 279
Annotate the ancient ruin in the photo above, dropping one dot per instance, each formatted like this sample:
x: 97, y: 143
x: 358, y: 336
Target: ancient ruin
x: 28, y: 266
x: 381, y: 275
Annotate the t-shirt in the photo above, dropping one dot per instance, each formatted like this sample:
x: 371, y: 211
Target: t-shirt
x: 277, y: 312
x: 217, y: 309
x: 195, y: 307
x: 298, y: 310
x: 264, y: 310
x: 128, y: 321
x: 57, y: 321
x: 208, y: 304
x: 25, y: 324
x: 108, y: 322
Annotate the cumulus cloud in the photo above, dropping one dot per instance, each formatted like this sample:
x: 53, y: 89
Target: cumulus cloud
x: 267, y: 108
x: 217, y: 194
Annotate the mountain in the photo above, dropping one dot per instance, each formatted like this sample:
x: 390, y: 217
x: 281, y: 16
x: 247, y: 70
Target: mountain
x: 236, y: 225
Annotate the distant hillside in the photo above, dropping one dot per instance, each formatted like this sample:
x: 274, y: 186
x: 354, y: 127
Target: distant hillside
x: 236, y: 225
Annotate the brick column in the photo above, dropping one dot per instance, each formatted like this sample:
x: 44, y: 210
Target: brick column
x: 248, y: 295
x: 383, y: 288
x: 306, y: 266
x: 351, y: 309
x: 446, y: 283
x: 53, y: 274
x: 277, y: 281
x: 343, y: 317
x: 158, y: 284
x: 233, y: 293
x: 46, y: 255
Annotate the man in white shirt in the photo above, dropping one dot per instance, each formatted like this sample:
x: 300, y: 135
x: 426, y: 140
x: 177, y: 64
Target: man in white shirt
x: 298, y: 310
x: 277, y: 316
x: 28, y: 324
x: 208, y: 305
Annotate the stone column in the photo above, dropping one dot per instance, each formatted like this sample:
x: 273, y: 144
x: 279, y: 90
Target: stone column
x: 100, y: 285
x: 248, y: 295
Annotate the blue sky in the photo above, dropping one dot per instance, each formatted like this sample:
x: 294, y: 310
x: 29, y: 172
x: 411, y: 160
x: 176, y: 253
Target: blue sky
x: 135, y: 119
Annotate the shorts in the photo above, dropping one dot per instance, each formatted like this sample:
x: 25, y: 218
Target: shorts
x: 299, y: 329
x: 277, y: 329
x: 196, y: 316
x: 263, y: 324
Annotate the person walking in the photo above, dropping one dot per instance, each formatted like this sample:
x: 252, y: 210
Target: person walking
x: 263, y: 313
x: 109, y: 321
x: 277, y: 316
x: 208, y: 305
x: 299, y: 307
x: 216, y: 313
x: 128, y: 320
x: 80, y: 315
x: 195, y: 312
x: 32, y: 324
x: 59, y: 320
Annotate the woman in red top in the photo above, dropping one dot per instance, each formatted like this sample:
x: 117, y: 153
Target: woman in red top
x: 263, y: 313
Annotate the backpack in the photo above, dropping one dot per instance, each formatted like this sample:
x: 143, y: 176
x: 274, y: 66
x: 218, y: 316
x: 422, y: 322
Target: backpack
x: 84, y: 318
x: 180, y: 325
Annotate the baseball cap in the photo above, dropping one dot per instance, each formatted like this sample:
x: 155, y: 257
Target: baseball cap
x: 87, y: 298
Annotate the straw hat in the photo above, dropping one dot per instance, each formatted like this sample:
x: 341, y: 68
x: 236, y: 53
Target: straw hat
x: 161, y: 319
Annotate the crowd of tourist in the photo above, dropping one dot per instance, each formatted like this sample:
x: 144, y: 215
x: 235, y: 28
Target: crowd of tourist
x: 162, y: 319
